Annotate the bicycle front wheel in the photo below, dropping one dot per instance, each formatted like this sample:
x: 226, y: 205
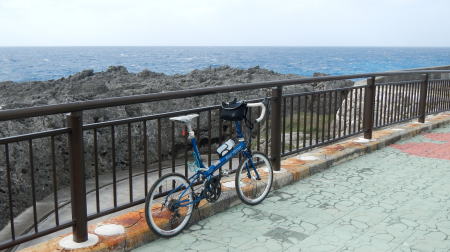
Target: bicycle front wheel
x: 169, y: 205
x: 254, y: 179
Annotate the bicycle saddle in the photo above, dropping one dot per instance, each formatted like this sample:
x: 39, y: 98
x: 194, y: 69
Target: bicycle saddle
x: 184, y: 119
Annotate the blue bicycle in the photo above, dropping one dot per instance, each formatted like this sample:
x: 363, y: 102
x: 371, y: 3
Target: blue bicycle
x: 172, y: 198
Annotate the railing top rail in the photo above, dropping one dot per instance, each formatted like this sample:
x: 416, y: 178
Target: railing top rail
x: 11, y: 114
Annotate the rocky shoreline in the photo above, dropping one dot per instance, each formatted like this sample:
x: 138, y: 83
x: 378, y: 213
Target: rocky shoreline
x: 115, y: 81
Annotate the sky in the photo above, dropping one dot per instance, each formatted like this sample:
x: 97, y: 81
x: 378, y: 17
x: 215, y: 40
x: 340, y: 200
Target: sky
x: 225, y: 23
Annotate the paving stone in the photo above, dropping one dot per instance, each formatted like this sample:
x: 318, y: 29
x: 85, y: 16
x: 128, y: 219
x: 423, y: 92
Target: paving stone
x: 394, y: 199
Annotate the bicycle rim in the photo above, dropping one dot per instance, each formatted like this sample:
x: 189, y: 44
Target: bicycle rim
x: 163, y: 215
x: 250, y: 189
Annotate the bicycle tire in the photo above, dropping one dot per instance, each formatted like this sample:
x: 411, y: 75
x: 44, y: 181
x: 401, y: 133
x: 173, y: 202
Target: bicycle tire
x: 244, y: 191
x: 155, y: 218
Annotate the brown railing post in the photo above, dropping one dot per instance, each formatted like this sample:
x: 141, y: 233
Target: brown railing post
x: 275, y: 126
x: 423, y: 99
x: 77, y: 181
x: 369, y: 101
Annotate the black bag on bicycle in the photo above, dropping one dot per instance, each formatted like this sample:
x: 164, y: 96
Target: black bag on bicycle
x: 233, y: 111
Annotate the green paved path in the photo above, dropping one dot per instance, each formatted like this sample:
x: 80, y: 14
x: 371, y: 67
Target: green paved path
x: 385, y: 201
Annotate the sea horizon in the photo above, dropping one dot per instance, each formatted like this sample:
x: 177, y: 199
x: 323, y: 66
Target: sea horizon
x: 307, y: 46
x: 41, y: 63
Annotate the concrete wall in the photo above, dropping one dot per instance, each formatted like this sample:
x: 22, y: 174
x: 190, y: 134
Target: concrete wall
x: 408, y: 77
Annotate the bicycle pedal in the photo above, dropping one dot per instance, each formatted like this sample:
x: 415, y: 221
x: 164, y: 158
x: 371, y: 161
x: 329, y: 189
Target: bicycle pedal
x: 224, y: 173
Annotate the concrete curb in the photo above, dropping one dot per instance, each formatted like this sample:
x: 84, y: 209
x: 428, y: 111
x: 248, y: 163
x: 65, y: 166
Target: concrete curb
x: 138, y: 233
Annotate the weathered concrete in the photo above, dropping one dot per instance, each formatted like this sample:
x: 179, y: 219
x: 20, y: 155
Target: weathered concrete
x: 395, y: 199
x: 24, y: 222
x: 137, y: 232
x: 390, y: 101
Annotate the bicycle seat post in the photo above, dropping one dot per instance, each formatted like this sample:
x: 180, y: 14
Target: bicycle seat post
x: 186, y: 119
x: 190, y: 130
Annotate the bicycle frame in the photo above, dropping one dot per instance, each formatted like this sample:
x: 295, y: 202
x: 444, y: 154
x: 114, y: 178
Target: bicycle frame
x: 240, y: 147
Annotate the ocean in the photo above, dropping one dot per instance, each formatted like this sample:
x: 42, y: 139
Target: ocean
x: 44, y: 63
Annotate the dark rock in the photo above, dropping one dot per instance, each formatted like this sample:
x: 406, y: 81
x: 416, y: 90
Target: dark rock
x: 320, y: 75
x: 149, y: 74
x: 120, y: 69
x: 115, y: 81
x: 81, y: 75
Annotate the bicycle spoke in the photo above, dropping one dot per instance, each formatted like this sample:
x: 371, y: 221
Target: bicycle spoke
x: 168, y: 212
x: 250, y: 189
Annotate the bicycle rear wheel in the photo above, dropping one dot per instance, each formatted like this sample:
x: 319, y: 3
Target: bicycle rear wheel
x: 168, y: 205
x: 254, y: 179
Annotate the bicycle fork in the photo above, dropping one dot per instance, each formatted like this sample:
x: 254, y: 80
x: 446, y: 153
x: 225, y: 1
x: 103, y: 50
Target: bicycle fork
x: 249, y: 158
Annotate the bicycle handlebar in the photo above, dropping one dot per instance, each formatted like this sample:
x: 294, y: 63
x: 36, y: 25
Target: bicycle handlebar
x: 263, y: 109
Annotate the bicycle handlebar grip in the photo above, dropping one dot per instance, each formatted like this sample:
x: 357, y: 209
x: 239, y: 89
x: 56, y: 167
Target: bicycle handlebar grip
x: 263, y: 111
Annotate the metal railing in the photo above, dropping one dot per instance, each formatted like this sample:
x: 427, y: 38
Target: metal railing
x: 132, y: 152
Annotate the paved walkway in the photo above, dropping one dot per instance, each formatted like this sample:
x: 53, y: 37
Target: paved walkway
x: 395, y: 199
